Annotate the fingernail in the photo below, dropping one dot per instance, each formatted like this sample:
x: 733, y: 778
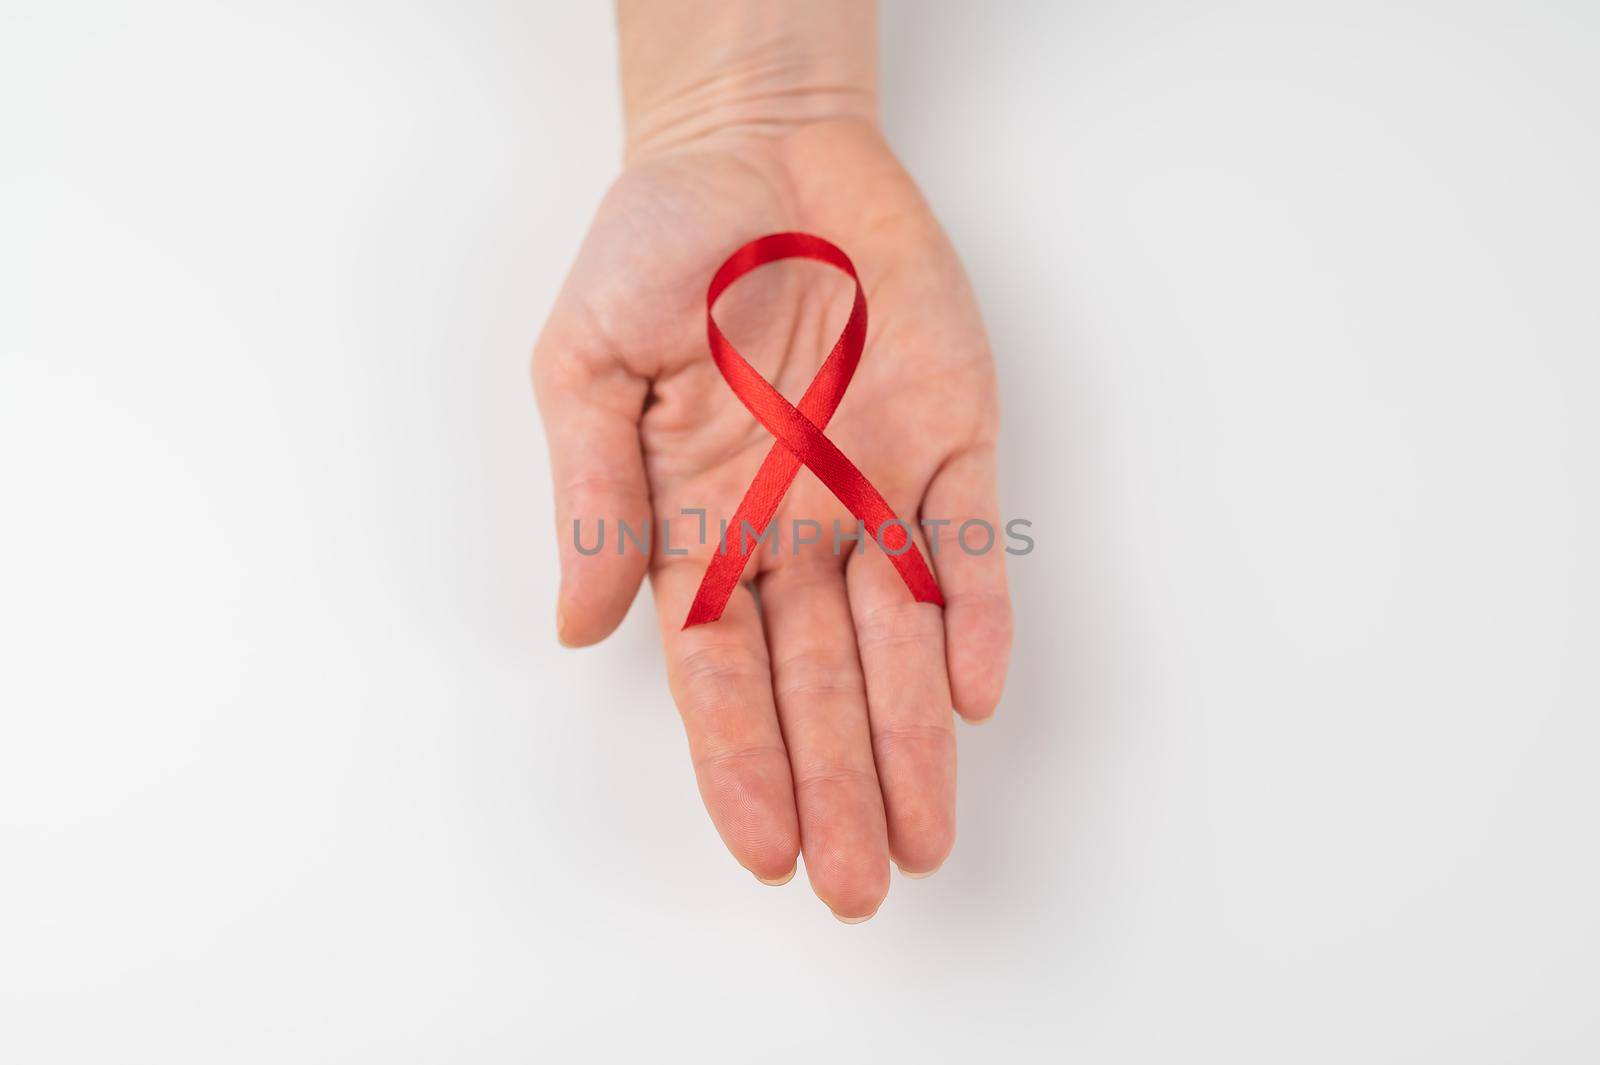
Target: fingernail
x: 919, y: 876
x: 561, y: 627
x: 854, y: 920
x: 784, y: 879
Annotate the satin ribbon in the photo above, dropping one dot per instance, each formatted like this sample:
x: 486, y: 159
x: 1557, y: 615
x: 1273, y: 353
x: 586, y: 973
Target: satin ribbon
x: 798, y: 433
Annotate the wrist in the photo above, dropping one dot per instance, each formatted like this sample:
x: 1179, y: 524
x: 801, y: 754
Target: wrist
x: 694, y: 71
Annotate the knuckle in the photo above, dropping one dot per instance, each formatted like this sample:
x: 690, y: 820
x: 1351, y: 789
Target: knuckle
x: 822, y: 774
x: 808, y: 569
x: 716, y: 662
x: 945, y: 539
x: 735, y: 758
x: 559, y: 367
x: 605, y: 487
x: 914, y: 739
x: 818, y: 671
x: 897, y: 623
x: 714, y: 686
x: 552, y: 366
x: 980, y: 611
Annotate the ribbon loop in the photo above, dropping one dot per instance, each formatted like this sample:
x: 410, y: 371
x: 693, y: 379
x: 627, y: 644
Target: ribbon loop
x: 797, y: 430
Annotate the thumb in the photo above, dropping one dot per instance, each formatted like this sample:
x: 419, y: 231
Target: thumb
x: 590, y: 405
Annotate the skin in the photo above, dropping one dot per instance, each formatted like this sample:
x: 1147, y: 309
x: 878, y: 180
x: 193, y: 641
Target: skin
x: 818, y: 709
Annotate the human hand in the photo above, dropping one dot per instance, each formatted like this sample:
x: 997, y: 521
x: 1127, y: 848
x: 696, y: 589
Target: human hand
x: 818, y: 708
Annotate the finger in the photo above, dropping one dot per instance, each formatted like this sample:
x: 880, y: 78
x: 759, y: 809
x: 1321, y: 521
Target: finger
x: 590, y: 408
x: 901, y: 644
x: 822, y: 705
x: 970, y: 561
x: 722, y: 683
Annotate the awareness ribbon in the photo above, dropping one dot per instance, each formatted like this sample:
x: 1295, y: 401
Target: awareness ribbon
x: 798, y: 435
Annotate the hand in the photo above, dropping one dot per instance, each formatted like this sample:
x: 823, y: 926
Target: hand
x: 818, y: 708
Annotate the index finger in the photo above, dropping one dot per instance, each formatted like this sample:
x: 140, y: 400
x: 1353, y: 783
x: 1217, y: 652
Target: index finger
x: 721, y: 680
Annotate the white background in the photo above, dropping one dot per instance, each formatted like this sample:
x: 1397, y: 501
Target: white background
x: 1295, y: 306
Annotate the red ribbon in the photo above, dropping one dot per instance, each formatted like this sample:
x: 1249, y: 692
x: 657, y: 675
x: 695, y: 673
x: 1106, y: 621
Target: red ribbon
x: 798, y: 432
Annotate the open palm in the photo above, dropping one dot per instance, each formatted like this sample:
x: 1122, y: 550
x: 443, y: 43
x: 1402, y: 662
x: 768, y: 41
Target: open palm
x: 818, y: 708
